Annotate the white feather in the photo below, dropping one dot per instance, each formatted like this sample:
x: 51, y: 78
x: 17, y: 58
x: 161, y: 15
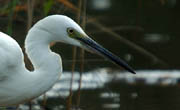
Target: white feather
x: 17, y: 84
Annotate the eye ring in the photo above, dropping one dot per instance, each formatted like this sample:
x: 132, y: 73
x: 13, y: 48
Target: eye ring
x: 70, y: 30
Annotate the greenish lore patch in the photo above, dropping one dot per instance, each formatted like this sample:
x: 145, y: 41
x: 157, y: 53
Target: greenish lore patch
x: 73, y: 33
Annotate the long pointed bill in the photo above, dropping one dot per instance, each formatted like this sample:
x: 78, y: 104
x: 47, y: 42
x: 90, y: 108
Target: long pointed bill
x: 93, y: 46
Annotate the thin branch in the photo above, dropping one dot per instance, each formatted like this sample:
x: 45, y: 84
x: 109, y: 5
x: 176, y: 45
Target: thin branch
x: 82, y: 54
x: 127, y: 42
x: 74, y: 52
x: 30, y: 13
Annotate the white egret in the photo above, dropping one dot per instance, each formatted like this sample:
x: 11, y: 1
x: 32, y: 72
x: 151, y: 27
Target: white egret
x: 17, y: 84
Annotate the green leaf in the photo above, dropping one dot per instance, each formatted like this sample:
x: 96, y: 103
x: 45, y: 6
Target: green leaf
x: 47, y: 6
x: 12, y: 6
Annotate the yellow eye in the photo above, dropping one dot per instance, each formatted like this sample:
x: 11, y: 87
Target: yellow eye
x: 70, y: 31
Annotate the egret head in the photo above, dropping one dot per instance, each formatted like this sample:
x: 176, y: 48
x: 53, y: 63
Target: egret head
x: 64, y: 29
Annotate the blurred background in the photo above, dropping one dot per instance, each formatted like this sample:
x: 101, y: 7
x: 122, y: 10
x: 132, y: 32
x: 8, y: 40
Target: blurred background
x: 144, y: 33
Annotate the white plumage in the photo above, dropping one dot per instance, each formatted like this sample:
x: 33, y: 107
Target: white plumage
x: 17, y: 84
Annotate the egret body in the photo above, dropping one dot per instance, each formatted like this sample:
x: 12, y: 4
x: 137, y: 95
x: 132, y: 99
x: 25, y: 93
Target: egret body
x: 17, y: 84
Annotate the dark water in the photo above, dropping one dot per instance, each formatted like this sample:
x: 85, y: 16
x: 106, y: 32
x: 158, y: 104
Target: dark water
x: 105, y: 89
x: 151, y: 24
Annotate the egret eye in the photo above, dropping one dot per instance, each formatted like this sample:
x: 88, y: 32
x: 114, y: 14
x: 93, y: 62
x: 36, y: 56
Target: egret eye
x: 70, y: 31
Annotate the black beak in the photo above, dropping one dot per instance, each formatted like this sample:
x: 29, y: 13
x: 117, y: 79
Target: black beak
x: 93, y: 46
